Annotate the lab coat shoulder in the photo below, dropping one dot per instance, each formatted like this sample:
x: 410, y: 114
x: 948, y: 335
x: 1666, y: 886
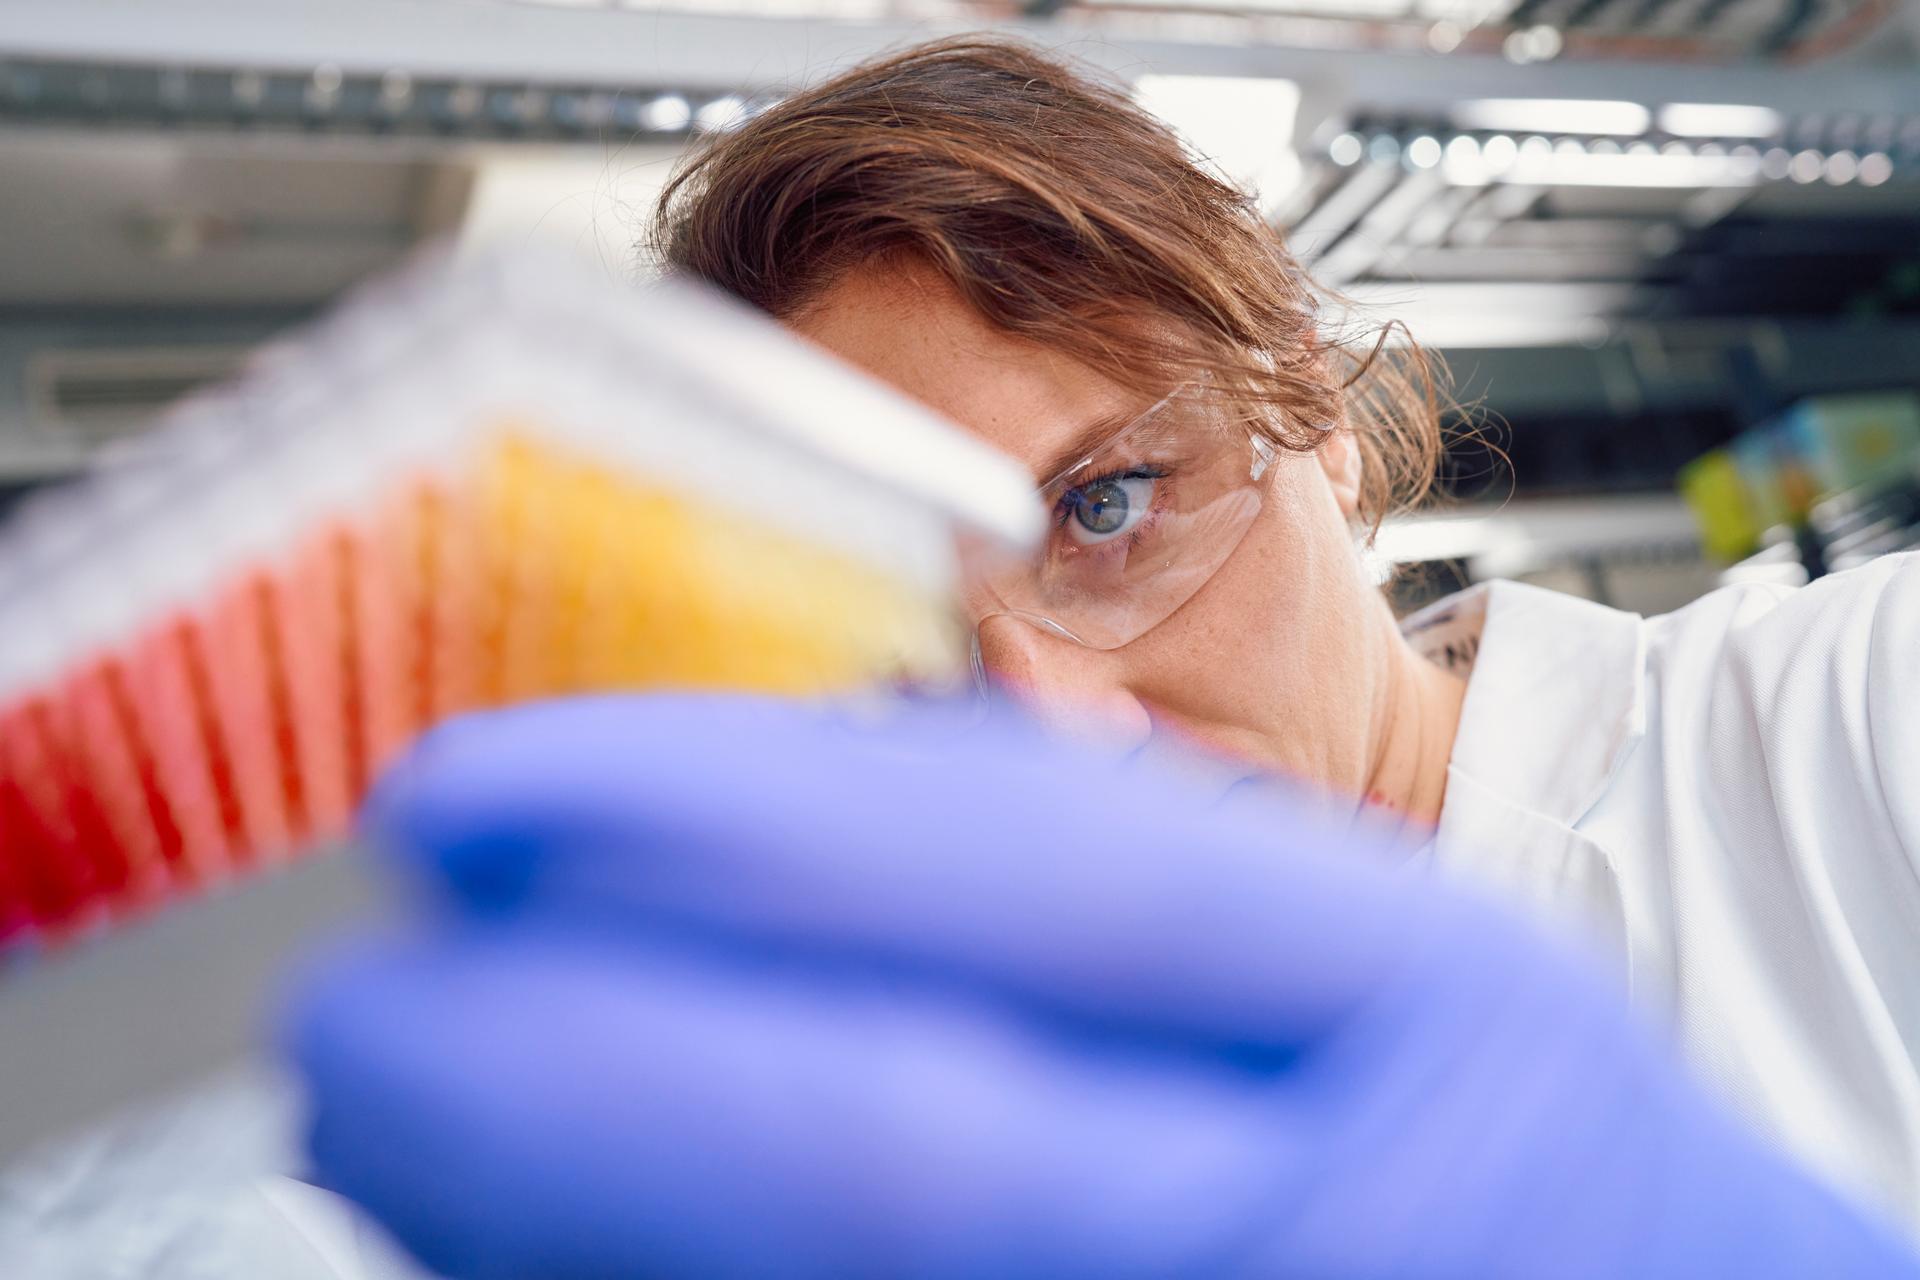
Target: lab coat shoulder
x: 1731, y: 794
x: 1800, y: 709
x: 1769, y: 838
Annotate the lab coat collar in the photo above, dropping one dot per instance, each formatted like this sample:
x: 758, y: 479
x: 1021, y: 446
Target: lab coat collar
x: 1556, y: 694
x: 1556, y: 701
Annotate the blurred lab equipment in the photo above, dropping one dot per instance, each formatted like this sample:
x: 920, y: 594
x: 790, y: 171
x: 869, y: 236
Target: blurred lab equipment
x: 478, y: 483
x: 1831, y: 483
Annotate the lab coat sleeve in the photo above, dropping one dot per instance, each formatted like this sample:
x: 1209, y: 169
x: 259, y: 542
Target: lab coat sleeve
x: 1893, y: 698
x: 1794, y: 862
x: 1829, y: 682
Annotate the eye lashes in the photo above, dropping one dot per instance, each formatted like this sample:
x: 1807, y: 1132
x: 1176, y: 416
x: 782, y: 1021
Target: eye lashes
x: 1061, y: 506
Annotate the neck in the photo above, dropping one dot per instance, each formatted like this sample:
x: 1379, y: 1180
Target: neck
x: 1420, y: 716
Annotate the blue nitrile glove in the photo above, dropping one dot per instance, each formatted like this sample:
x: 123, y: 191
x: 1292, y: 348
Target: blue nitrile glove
x: 727, y: 987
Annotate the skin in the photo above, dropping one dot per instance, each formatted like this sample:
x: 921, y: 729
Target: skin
x: 1287, y: 660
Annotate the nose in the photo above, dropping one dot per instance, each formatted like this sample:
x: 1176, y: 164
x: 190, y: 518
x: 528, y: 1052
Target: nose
x: 1069, y: 688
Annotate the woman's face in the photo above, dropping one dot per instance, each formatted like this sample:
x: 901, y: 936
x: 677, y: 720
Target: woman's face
x: 1275, y: 662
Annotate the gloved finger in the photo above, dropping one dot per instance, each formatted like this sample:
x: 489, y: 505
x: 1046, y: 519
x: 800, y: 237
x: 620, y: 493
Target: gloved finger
x: 529, y: 1105
x: 1000, y: 856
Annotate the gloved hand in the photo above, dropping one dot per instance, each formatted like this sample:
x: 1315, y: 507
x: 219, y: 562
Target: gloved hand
x: 727, y: 987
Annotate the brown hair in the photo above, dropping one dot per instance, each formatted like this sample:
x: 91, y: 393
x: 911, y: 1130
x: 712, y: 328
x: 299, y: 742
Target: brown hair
x: 1067, y: 216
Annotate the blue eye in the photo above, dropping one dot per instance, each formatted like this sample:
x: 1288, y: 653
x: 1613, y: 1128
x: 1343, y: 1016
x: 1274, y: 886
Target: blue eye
x: 1102, y: 510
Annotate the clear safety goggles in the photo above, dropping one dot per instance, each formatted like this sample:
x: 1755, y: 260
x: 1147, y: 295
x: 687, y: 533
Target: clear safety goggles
x: 1137, y: 526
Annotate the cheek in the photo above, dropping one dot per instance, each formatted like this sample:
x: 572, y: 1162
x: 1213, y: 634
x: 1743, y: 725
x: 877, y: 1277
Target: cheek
x: 1288, y: 590
x: 1268, y: 660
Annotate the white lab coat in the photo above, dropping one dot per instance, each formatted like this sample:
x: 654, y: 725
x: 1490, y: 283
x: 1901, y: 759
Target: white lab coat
x: 1726, y: 800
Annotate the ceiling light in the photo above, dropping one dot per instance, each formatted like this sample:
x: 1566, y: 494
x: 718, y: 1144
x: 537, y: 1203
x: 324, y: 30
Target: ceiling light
x: 1719, y: 120
x: 721, y: 113
x: 396, y: 90
x: 1534, y: 44
x: 668, y: 113
x: 1554, y: 115
x: 1585, y: 169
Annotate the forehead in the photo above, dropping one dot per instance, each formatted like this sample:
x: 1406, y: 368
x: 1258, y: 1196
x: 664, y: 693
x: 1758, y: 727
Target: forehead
x: 910, y: 328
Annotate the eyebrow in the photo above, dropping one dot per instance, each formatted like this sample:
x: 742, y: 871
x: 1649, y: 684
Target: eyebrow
x: 1090, y: 436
